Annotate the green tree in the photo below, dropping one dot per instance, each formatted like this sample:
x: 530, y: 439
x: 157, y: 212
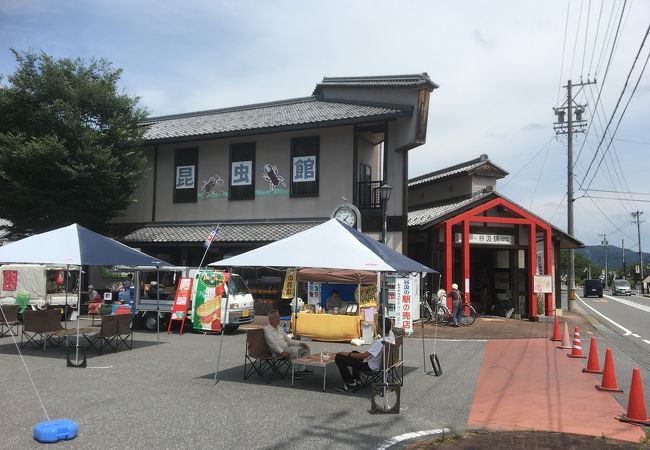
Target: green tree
x: 69, y: 143
x: 581, y: 265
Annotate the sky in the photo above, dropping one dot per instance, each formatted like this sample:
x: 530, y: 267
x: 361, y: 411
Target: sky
x: 501, y: 67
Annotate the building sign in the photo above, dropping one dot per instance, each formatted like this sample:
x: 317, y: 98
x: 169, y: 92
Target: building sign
x: 304, y: 169
x: 480, y: 238
x: 403, y: 304
x: 241, y: 173
x: 185, y: 177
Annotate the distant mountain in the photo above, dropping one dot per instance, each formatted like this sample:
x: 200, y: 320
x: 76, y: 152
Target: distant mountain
x: 614, y: 256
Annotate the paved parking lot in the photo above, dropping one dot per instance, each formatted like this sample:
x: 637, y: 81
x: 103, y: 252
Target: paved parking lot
x: 164, y: 396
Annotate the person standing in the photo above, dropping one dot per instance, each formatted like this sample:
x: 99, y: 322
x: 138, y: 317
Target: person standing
x: 456, y: 302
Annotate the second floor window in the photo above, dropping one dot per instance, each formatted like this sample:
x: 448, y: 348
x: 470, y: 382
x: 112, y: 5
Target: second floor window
x: 305, y: 166
x: 242, y: 171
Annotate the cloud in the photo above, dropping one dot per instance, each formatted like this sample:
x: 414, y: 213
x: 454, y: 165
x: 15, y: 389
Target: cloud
x: 483, y: 41
x: 534, y: 126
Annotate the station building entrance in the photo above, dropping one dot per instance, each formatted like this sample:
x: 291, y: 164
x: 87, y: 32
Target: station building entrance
x: 493, y: 249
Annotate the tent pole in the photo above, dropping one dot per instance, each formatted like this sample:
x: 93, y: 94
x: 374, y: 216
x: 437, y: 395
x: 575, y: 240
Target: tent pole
x: 157, y: 304
x: 295, y: 303
x: 65, y: 311
x: 216, y: 369
x: 424, y: 358
x: 76, y: 349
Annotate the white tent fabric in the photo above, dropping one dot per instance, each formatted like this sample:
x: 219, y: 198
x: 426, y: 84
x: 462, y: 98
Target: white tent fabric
x: 330, y: 245
x: 74, y: 245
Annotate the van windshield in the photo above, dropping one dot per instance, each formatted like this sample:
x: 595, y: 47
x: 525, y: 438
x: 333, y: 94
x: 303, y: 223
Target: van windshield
x: 621, y: 283
x: 237, y: 286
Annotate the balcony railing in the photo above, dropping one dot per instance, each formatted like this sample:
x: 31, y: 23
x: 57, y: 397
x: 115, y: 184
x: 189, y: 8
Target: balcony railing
x: 368, y: 195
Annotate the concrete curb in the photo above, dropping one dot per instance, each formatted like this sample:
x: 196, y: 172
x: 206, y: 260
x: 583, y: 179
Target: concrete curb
x: 404, y: 439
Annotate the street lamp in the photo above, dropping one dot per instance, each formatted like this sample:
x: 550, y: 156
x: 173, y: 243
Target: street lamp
x: 384, y: 194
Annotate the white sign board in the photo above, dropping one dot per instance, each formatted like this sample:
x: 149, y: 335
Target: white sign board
x: 542, y: 284
x: 403, y: 304
x: 304, y: 169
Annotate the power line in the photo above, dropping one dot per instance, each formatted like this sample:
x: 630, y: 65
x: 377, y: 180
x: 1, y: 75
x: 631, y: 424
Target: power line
x: 575, y: 42
x: 611, y: 54
x: 627, y: 192
x: 613, y: 198
x: 593, y: 51
x: 512, y: 177
x: 566, y: 26
x: 617, y: 105
x: 584, y: 48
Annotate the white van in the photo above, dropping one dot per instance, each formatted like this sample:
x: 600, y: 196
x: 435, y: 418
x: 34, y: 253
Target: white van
x: 45, y: 285
x: 153, y: 296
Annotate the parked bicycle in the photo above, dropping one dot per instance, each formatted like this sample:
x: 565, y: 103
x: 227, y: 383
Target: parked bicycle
x: 440, y: 314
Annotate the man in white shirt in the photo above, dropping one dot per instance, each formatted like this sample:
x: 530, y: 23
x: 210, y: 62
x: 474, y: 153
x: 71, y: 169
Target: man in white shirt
x: 368, y: 360
x: 281, y: 345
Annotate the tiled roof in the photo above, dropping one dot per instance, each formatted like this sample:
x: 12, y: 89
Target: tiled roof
x: 394, y: 81
x: 252, y: 232
x: 288, y: 113
x: 467, y: 167
x: 427, y: 215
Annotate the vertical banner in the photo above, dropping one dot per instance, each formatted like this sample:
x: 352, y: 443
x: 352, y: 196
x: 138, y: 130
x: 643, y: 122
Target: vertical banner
x: 289, y: 284
x: 207, y: 300
x: 403, y: 304
x: 415, y: 297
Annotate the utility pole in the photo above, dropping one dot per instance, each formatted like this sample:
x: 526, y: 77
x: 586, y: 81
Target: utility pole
x: 577, y: 126
x: 623, y: 255
x: 637, y: 215
x: 589, y: 256
x: 605, y: 244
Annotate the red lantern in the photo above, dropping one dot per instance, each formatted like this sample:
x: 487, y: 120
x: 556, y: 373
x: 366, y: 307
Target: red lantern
x: 60, y: 278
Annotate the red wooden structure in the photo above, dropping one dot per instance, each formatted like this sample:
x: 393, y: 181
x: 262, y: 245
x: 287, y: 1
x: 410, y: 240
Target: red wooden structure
x: 478, y: 214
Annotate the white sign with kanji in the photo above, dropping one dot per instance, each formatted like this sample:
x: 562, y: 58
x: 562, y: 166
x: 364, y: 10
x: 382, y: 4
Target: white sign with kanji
x: 242, y: 173
x: 404, y: 304
x: 185, y: 177
x: 304, y: 169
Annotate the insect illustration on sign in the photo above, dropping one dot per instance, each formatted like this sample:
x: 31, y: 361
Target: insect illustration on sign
x: 271, y: 176
x: 213, y: 185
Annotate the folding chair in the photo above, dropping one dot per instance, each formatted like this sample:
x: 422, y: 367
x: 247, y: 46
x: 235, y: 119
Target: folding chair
x: 107, y: 335
x: 9, y: 320
x: 369, y: 377
x: 40, y: 327
x: 259, y: 359
x: 124, y: 331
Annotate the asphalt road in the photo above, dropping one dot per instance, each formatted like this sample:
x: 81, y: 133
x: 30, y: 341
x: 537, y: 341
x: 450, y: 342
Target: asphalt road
x: 163, y: 396
x: 628, y: 318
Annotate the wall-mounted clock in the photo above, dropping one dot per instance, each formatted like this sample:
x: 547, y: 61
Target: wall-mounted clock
x: 348, y: 214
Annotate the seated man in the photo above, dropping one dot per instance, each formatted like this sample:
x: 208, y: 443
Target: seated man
x: 368, y: 360
x: 281, y: 345
x: 333, y: 301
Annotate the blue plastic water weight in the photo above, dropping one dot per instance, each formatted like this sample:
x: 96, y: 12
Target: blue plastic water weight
x: 55, y: 430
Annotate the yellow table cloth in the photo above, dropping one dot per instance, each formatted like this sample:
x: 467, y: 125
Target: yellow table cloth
x: 327, y: 327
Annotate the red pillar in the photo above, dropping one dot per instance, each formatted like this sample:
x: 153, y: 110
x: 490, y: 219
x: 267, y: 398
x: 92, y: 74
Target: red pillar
x: 532, y: 264
x: 448, y: 263
x: 465, y: 287
x: 548, y: 263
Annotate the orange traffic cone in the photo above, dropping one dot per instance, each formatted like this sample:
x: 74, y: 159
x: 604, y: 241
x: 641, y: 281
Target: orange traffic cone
x: 609, y: 375
x: 636, y: 403
x: 556, y: 331
x: 576, y: 350
x: 565, y: 338
x: 593, y: 366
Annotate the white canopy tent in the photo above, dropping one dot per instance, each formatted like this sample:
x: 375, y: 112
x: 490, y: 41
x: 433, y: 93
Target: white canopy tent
x: 75, y: 246
x: 330, y: 245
